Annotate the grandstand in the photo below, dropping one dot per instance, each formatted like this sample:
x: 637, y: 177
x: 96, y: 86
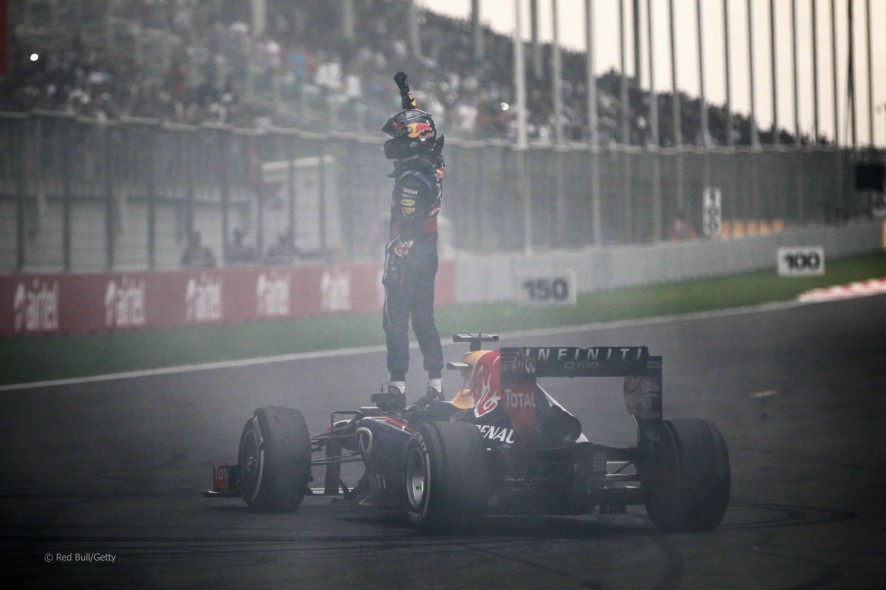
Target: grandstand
x: 192, y: 62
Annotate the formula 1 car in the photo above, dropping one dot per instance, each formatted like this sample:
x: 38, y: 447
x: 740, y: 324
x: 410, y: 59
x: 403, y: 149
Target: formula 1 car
x: 502, y: 445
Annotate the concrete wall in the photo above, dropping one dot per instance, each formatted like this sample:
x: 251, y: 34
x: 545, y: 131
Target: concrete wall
x: 493, y: 277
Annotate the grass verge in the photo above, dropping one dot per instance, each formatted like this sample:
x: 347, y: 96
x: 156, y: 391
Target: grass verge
x: 30, y: 359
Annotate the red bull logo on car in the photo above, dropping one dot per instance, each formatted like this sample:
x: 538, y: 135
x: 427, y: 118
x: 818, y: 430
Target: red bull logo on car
x: 486, y: 384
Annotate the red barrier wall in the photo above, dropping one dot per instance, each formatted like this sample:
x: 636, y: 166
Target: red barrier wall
x: 105, y: 302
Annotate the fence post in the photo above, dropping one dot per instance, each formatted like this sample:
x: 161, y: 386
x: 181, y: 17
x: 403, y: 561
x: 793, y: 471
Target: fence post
x: 110, y: 161
x: 224, y: 147
x: 800, y: 157
x: 256, y: 161
x: 596, y: 225
x: 291, y: 187
x: 628, y: 191
x: 657, y: 216
x: 523, y: 194
x: 321, y: 169
x: 67, y: 154
x: 559, y: 222
x: 151, y: 171
x: 190, y: 192
x: 19, y: 163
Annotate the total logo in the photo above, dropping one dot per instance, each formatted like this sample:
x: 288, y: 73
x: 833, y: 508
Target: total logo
x: 519, y: 399
x: 272, y: 294
x: 36, y: 306
x: 125, y: 303
x: 335, y: 290
x: 203, y: 299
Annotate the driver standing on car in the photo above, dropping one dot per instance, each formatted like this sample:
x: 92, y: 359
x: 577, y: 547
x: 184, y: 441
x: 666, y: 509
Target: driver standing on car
x: 411, y: 254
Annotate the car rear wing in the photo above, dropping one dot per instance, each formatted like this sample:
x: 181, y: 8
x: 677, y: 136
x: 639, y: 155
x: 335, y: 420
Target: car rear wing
x: 476, y: 340
x: 520, y: 367
x: 520, y: 364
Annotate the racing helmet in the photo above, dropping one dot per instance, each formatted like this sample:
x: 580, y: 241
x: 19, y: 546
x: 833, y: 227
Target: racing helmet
x: 413, y: 132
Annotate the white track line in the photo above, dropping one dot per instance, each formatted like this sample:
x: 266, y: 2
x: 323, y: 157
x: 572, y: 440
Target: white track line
x: 762, y: 394
x: 375, y: 349
x: 195, y: 368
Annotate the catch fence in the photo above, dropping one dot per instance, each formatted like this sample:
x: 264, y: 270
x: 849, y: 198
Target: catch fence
x: 79, y: 195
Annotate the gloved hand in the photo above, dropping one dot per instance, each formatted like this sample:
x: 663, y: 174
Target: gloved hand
x: 407, y: 100
x: 395, y: 257
x: 401, y: 249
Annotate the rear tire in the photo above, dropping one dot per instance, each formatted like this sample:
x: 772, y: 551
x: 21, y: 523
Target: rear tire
x: 688, y: 477
x: 274, y: 460
x: 445, y: 477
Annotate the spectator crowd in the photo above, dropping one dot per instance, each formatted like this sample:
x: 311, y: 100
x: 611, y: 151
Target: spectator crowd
x: 205, y: 65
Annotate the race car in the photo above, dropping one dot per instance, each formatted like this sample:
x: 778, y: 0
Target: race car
x: 501, y: 445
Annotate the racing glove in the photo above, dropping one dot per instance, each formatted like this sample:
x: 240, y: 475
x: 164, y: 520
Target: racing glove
x: 407, y: 99
x: 395, y: 263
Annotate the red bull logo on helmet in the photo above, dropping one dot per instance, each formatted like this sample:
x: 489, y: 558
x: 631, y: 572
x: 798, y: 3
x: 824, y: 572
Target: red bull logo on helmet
x: 415, y: 130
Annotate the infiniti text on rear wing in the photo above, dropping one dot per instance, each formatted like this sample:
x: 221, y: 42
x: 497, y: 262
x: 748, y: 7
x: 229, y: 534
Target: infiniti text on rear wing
x: 518, y: 364
x: 520, y: 367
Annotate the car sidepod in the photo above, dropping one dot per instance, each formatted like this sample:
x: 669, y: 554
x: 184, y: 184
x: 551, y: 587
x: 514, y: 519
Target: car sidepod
x: 382, y: 442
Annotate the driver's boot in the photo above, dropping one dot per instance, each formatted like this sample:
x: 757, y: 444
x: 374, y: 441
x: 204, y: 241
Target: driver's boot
x: 398, y: 388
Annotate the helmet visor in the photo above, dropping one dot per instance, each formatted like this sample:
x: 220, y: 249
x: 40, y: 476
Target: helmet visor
x: 392, y: 127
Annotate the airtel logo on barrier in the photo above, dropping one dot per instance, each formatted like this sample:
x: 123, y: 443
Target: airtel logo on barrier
x: 272, y: 294
x: 335, y: 290
x: 36, y: 307
x: 203, y: 299
x: 125, y: 303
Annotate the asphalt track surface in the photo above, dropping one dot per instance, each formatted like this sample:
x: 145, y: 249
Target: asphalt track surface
x: 116, y: 469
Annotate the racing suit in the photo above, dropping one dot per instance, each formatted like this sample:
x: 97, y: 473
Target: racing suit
x: 411, y: 265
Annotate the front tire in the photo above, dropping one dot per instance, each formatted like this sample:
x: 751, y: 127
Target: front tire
x: 445, y: 477
x: 688, y: 477
x: 274, y: 460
